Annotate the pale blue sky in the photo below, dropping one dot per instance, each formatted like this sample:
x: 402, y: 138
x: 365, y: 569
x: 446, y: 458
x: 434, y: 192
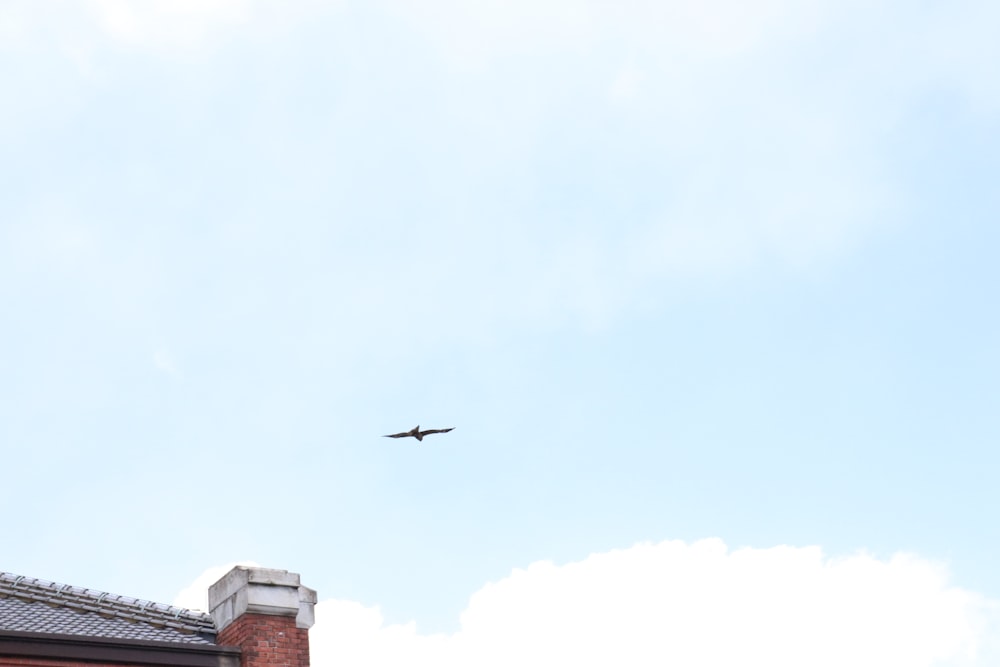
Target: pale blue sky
x: 672, y: 271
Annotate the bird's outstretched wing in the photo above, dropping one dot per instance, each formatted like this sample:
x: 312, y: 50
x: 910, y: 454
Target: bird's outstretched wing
x: 437, y: 430
x: 398, y: 435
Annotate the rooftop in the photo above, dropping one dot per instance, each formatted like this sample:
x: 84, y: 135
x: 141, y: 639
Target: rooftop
x: 36, y: 605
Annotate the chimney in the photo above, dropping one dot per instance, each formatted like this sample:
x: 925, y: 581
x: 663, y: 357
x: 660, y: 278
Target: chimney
x: 266, y: 613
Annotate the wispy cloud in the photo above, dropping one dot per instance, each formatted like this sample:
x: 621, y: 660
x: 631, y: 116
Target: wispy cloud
x: 164, y: 363
x: 706, y: 139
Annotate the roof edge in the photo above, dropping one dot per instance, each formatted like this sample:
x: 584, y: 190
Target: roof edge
x: 102, y: 649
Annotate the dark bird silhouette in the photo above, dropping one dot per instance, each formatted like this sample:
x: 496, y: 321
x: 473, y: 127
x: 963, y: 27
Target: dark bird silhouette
x: 415, y: 432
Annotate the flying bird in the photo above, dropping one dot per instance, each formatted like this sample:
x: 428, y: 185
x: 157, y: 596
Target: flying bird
x: 415, y: 432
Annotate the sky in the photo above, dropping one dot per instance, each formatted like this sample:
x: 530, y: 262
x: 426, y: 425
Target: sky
x: 706, y: 289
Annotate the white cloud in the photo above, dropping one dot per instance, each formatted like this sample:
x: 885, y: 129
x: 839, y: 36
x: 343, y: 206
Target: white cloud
x: 164, y: 27
x: 173, y: 23
x: 348, y: 633
x: 698, y: 605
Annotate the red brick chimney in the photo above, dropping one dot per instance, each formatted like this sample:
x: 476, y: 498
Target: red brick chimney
x: 266, y: 613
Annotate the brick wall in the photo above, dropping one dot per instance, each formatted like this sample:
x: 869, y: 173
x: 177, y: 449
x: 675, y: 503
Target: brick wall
x: 267, y: 641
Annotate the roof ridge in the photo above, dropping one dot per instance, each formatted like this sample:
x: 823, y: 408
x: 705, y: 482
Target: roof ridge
x: 109, y: 604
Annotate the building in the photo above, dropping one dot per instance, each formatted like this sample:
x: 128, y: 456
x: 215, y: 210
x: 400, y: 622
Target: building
x: 259, y: 618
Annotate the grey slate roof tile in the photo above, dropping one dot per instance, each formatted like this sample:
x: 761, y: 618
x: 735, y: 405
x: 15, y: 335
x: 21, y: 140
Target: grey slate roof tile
x: 36, y: 605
